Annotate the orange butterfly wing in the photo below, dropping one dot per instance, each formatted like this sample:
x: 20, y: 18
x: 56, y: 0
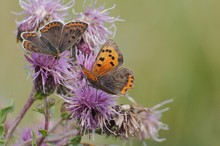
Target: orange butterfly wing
x: 108, y: 59
x: 106, y: 73
x: 90, y: 76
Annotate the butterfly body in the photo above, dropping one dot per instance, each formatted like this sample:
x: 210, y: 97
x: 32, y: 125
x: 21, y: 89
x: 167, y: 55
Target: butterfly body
x: 54, y: 38
x: 107, y: 74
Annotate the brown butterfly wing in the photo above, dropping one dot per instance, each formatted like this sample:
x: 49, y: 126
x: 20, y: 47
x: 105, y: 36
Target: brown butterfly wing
x: 118, y: 81
x: 33, y: 43
x: 52, y: 32
x: 108, y: 59
x: 32, y: 37
x: 72, y: 31
x: 32, y: 47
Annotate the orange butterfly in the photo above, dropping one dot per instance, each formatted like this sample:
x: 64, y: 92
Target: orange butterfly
x: 107, y: 73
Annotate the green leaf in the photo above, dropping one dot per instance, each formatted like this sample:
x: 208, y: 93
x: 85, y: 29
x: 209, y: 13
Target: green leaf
x: 98, y: 131
x: 34, y: 140
x: 2, y: 142
x: 2, y: 130
x: 65, y: 115
x: 4, y: 112
x: 75, y: 141
x: 40, y: 109
x: 43, y: 132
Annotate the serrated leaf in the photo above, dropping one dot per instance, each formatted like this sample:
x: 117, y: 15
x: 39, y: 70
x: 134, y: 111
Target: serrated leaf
x: 75, y: 141
x: 34, y: 140
x: 40, y: 109
x: 2, y: 129
x: 43, y: 132
x: 4, y: 112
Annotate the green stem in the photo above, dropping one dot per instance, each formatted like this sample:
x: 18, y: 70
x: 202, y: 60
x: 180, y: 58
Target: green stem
x: 47, y: 117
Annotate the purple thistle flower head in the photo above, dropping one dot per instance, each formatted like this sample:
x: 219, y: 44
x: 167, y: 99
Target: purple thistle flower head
x: 84, y: 47
x: 38, y: 12
x: 101, y: 25
x: 91, y: 108
x: 49, y: 71
x: 26, y: 134
x: 87, y: 60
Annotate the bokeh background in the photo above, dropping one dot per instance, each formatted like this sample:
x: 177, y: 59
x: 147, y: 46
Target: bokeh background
x: 173, y: 47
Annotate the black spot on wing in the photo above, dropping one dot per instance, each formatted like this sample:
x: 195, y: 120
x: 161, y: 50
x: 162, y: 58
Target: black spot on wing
x: 112, y: 63
x: 101, y: 58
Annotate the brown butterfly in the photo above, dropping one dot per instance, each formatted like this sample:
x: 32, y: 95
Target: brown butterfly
x: 107, y: 73
x: 55, y: 37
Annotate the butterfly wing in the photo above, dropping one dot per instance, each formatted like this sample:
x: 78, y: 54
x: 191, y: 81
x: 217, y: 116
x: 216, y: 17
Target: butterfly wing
x: 33, y: 43
x: 72, y: 31
x: 52, y: 32
x: 89, y: 75
x: 108, y: 59
x: 118, y: 81
x: 94, y: 81
x: 30, y: 46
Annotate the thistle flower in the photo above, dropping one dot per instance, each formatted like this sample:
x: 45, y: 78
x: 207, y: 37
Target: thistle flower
x: 49, y: 71
x: 84, y: 47
x: 151, y: 122
x: 38, y: 12
x: 91, y: 108
x: 135, y: 121
x: 87, y: 60
x: 26, y: 134
x: 101, y: 25
x: 77, y: 81
x: 125, y: 122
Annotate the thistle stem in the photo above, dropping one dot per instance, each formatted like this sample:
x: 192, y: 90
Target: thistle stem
x: 14, y: 125
x: 47, y: 117
x: 56, y: 125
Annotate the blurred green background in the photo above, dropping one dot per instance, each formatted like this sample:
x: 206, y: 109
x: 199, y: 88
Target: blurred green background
x: 173, y: 48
